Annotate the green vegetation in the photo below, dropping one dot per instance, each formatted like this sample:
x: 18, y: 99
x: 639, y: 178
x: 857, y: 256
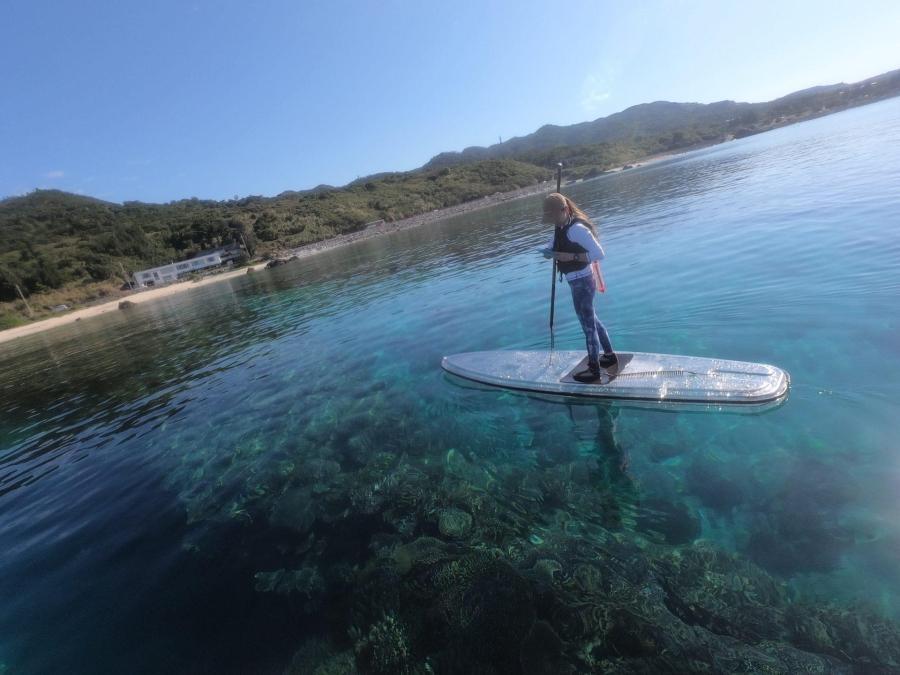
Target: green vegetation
x: 52, y: 240
x: 60, y: 248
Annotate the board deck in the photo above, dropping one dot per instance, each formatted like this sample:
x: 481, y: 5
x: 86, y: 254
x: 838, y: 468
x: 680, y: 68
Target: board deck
x: 639, y: 376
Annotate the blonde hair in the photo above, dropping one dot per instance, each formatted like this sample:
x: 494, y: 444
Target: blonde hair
x: 559, y: 199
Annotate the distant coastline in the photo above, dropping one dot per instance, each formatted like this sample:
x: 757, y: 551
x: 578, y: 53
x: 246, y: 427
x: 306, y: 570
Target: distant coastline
x: 466, y: 207
x: 63, y: 250
x: 380, y: 229
x: 300, y: 252
x: 329, y: 244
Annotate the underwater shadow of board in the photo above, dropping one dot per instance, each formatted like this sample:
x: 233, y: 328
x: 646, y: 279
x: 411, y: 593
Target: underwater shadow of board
x: 624, y: 506
x: 621, y: 499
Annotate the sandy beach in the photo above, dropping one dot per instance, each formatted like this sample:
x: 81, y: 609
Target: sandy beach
x: 301, y: 252
x: 113, y: 306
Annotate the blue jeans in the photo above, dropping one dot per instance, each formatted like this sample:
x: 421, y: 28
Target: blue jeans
x: 595, y: 334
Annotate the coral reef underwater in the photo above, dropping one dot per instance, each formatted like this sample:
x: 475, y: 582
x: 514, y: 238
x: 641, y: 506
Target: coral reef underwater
x: 494, y: 548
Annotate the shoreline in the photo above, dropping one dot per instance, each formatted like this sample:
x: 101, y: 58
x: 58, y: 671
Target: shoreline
x: 305, y: 251
x: 136, y: 297
x: 415, y: 221
x: 458, y: 209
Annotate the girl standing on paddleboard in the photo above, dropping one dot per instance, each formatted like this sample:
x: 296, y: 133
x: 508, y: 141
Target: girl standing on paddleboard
x: 576, y: 250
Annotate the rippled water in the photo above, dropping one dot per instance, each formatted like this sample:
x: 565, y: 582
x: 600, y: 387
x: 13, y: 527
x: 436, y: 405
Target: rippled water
x: 154, y: 462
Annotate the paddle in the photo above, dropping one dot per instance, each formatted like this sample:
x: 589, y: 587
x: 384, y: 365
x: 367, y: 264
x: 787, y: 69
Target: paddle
x: 553, y: 278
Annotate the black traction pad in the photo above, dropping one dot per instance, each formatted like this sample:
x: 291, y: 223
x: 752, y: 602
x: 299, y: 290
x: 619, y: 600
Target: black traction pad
x: 607, y: 375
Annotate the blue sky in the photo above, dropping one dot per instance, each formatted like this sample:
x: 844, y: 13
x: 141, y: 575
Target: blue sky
x: 163, y: 100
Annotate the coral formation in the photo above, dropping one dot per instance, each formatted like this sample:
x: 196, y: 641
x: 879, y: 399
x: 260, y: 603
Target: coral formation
x: 417, y: 553
x: 454, y: 523
x: 306, y: 583
x: 385, y: 649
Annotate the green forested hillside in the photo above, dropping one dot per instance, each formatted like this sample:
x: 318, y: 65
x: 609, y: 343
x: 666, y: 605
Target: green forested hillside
x: 51, y: 240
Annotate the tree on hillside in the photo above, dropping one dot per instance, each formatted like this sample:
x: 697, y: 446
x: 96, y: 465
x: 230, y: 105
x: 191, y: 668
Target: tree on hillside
x: 8, y: 282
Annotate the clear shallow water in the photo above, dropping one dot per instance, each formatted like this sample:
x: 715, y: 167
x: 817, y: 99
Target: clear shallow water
x: 158, y: 466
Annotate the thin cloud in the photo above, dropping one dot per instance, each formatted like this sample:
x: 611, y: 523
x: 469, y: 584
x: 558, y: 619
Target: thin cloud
x: 593, y: 98
x: 594, y: 91
x: 54, y: 174
x: 597, y: 89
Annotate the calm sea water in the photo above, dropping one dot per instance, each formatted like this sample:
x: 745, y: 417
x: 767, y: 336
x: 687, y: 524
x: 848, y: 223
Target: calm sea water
x: 155, y: 462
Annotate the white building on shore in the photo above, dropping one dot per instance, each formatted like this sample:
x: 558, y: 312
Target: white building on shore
x: 166, y: 274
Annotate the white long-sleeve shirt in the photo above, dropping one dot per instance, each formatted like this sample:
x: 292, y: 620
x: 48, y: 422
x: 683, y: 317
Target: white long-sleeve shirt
x: 581, y: 235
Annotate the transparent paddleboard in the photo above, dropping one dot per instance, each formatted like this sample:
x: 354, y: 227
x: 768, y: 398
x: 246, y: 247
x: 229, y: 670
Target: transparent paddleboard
x: 638, y: 376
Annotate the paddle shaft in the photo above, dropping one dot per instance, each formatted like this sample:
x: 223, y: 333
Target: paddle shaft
x: 553, y: 278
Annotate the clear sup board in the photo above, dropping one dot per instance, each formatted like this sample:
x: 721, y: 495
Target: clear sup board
x: 641, y: 377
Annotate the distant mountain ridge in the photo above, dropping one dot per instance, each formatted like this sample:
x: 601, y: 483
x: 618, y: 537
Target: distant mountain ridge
x: 645, y: 119
x: 661, y: 117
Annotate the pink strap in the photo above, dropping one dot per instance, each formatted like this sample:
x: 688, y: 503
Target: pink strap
x: 598, y: 277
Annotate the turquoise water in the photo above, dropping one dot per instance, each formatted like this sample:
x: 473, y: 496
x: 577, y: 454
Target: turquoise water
x: 276, y: 465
